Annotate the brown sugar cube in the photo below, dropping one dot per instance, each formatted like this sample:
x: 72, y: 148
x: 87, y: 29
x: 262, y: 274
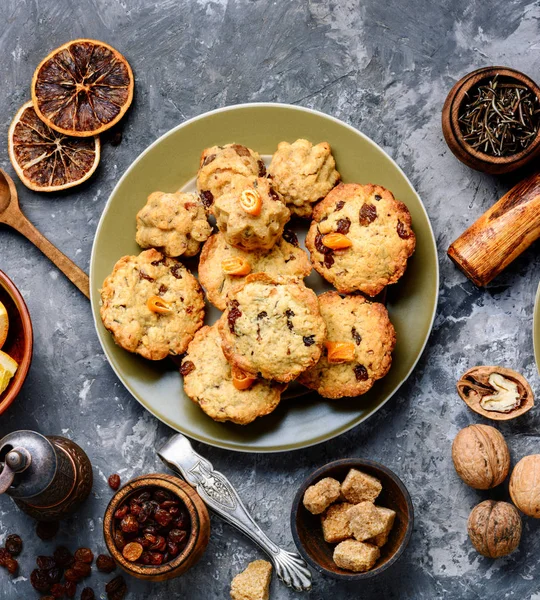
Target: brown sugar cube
x: 388, y: 516
x: 359, y: 487
x: 356, y: 556
x: 365, y: 521
x: 335, y: 523
x: 318, y: 497
x: 253, y: 583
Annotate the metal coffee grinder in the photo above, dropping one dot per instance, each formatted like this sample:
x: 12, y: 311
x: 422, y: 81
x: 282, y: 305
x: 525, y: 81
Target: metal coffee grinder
x: 47, y: 477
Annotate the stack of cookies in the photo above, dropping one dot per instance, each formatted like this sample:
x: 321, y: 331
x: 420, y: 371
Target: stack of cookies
x: 273, y: 328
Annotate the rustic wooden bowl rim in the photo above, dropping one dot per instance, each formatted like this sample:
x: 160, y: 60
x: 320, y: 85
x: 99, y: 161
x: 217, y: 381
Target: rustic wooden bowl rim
x: 28, y: 335
x: 324, y: 471
x: 470, y: 81
x: 170, y: 483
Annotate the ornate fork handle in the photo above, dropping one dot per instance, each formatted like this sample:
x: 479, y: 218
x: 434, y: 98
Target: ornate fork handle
x: 218, y: 493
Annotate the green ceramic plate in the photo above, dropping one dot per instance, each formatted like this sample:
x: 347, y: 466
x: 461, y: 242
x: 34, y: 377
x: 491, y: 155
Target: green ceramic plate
x: 170, y: 163
x: 536, y: 329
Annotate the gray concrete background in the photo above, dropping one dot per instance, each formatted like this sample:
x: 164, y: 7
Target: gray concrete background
x: 384, y: 67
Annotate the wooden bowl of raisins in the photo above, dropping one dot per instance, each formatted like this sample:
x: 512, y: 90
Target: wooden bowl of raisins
x: 156, y: 527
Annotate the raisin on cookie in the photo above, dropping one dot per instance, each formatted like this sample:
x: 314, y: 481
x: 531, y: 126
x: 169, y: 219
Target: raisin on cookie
x: 152, y: 305
x: 272, y: 327
x: 208, y: 381
x: 175, y: 224
x: 223, y: 167
x: 303, y: 174
x: 358, y: 348
x: 285, y: 259
x: 360, y: 238
x: 252, y: 216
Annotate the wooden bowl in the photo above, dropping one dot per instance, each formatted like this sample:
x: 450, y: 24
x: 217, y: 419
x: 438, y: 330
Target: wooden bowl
x: 452, y: 132
x: 307, y: 531
x: 198, y: 539
x: 20, y: 338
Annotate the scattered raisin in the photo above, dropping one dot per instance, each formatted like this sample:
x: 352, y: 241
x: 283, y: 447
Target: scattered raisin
x: 309, y: 340
x: 119, y: 540
x: 339, y: 205
x: 40, y: 581
x: 132, y: 551
x: 72, y: 575
x: 176, y: 271
x: 177, y: 535
x: 88, y: 594
x: 145, y: 558
x: 4, y: 556
x: 328, y: 260
x: 121, y: 512
x: 240, y: 150
x: 320, y: 246
x: 262, y: 168
x: 63, y: 557
x: 45, y: 562
x: 356, y: 336
x: 116, y: 588
x: 54, y: 575
x: 261, y: 315
x: 105, y: 563
x: 159, y: 545
x: 208, y: 159
x: 46, y: 530
x: 83, y: 569
x: 71, y: 589
x: 343, y: 225
x: 273, y: 194
x: 368, y: 214
x: 58, y: 590
x: 402, y: 231
x: 143, y: 275
x: 162, y: 289
x: 156, y: 558
x: 84, y: 555
x: 160, y: 261
x: 290, y: 236
x: 234, y: 314
x: 129, y: 524
x: 12, y: 566
x: 172, y: 548
x: 161, y: 495
x: 14, y: 544
x: 207, y: 198
x: 162, y: 517
x: 361, y: 373
x: 378, y: 197
x: 114, y: 481
x: 187, y: 368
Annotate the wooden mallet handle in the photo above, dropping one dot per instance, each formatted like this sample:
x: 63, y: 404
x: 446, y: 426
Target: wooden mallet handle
x: 501, y: 234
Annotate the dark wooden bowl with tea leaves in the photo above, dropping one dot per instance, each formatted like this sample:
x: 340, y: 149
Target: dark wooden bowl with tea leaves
x: 491, y: 120
x: 307, y: 531
x: 19, y: 342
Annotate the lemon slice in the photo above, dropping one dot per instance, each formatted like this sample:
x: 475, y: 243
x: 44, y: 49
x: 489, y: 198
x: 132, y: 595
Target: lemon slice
x: 4, y: 324
x: 8, y: 368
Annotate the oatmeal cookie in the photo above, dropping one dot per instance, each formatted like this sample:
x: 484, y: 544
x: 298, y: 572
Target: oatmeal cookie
x: 152, y: 305
x: 272, y: 327
x: 371, y: 238
x: 223, y: 167
x: 365, y: 329
x: 175, y: 224
x: 208, y: 381
x: 303, y: 174
x: 252, y: 216
x: 285, y: 259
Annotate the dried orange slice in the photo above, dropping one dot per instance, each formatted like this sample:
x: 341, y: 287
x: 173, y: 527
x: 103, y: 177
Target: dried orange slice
x: 158, y: 305
x: 82, y: 88
x: 241, y: 380
x: 336, y: 241
x: 251, y: 202
x: 4, y: 324
x: 48, y: 161
x: 236, y: 266
x: 339, y: 352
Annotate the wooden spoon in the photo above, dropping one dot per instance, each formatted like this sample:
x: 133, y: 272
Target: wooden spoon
x: 12, y: 215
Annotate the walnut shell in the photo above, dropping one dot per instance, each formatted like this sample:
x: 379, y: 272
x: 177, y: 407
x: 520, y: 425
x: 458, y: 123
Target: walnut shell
x: 494, y: 528
x: 481, y: 456
x: 525, y: 485
x: 477, y: 385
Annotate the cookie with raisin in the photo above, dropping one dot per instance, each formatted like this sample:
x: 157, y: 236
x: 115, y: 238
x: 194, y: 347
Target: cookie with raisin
x: 358, y: 349
x: 360, y: 238
x: 303, y: 174
x: 222, y: 168
x: 175, y: 224
x: 285, y: 259
x: 252, y: 216
x: 209, y: 381
x: 152, y: 305
x: 272, y: 328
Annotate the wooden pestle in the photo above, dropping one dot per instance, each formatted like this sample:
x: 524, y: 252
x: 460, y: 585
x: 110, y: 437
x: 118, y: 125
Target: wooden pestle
x: 501, y: 234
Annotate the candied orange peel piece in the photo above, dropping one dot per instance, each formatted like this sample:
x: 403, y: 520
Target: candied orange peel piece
x: 251, y: 202
x: 158, y: 305
x: 340, y: 352
x: 241, y: 380
x: 236, y: 266
x: 336, y: 241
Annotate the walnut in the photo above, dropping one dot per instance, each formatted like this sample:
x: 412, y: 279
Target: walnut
x: 481, y: 456
x: 494, y: 528
x: 496, y: 393
x: 525, y: 485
